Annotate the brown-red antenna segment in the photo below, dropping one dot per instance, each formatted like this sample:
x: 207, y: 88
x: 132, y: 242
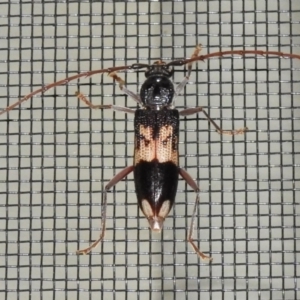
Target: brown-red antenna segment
x: 173, y: 63
x: 62, y: 82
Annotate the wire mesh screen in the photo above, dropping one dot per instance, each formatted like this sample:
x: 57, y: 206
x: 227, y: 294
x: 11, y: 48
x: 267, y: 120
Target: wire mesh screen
x: 56, y: 154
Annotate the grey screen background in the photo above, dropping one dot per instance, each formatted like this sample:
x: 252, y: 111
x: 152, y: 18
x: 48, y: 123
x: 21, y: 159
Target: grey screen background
x: 56, y: 154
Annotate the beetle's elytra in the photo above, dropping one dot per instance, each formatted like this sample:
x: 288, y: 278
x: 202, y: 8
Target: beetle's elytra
x: 155, y: 164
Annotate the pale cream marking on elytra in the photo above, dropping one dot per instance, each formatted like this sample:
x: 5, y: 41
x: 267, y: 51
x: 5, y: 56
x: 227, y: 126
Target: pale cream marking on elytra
x: 147, y: 209
x: 160, y: 149
x: 165, y: 208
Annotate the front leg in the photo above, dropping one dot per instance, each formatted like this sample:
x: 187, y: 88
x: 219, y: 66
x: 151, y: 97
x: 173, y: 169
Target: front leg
x: 182, y: 84
x: 124, y: 89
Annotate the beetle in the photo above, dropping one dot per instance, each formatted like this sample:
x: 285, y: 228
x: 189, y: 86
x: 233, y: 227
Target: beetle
x: 156, y: 128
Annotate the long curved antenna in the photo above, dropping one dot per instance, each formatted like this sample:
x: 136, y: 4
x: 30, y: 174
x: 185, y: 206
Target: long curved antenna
x: 182, y: 62
x: 139, y: 66
x: 63, y: 82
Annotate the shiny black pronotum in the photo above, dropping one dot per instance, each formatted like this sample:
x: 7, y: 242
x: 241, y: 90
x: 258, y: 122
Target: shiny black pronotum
x: 156, y: 127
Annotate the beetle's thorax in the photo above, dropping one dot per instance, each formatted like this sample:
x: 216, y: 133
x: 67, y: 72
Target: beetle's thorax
x: 157, y: 92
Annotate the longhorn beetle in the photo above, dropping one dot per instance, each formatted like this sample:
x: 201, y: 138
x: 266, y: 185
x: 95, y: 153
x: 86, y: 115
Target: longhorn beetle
x: 156, y: 129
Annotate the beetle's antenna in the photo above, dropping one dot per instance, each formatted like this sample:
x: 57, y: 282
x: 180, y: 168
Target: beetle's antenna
x: 45, y: 88
x: 181, y: 62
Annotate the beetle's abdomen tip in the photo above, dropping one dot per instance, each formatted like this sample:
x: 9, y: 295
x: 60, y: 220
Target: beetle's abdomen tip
x: 156, y: 216
x: 156, y: 223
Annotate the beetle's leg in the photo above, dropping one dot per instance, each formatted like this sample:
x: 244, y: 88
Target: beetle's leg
x: 185, y: 175
x: 123, y: 88
x: 182, y: 84
x: 109, y: 106
x: 113, y: 182
x: 190, y: 111
x: 195, y: 110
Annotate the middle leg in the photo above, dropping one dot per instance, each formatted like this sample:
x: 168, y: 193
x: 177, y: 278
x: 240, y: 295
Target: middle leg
x: 195, y: 110
x: 105, y: 106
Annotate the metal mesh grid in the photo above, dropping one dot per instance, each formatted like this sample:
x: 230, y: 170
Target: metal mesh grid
x: 55, y: 154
